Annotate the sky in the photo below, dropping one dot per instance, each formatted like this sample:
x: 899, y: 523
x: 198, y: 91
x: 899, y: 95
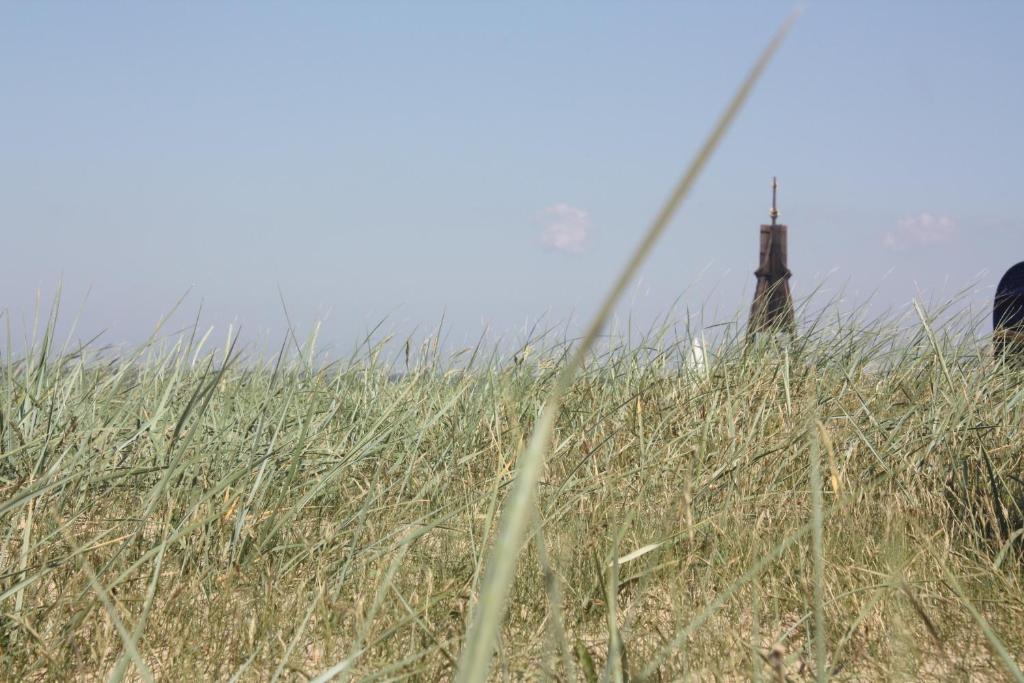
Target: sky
x: 494, y: 163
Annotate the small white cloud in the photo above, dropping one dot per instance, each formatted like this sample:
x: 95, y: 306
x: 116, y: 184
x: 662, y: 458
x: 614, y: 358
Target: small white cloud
x: 920, y: 230
x: 566, y: 228
x: 927, y: 228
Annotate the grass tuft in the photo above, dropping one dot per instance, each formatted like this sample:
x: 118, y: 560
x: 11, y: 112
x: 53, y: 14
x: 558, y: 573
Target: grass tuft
x: 180, y: 510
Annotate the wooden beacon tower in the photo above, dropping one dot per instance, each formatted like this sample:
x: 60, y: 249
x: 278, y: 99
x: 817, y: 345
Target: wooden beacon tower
x: 773, y: 304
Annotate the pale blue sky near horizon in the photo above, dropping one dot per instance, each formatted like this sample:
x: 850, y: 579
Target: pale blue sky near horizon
x: 495, y: 163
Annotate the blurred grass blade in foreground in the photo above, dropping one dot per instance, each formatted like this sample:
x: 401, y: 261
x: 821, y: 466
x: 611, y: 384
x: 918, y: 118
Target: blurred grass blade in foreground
x: 475, y: 659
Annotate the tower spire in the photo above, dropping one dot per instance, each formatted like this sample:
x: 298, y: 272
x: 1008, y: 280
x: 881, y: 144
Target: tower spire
x: 773, y: 305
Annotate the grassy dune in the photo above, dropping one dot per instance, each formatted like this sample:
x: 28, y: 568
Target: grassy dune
x: 179, y: 512
x: 844, y: 504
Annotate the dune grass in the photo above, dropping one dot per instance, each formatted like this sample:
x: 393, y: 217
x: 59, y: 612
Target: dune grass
x: 840, y: 504
x: 850, y: 496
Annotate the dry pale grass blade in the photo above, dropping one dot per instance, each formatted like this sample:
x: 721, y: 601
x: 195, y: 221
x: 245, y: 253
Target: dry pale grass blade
x: 554, y: 596
x: 338, y: 669
x: 716, y: 471
x: 997, y: 644
x: 639, y: 552
x: 935, y: 345
x: 475, y: 659
x: 616, y: 656
x: 818, y: 551
x: 136, y: 635
x: 299, y: 632
x: 721, y: 598
x: 128, y: 640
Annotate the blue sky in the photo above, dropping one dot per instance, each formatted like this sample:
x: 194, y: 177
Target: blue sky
x: 494, y: 162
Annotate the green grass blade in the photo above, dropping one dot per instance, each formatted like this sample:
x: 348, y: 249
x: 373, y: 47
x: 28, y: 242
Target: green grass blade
x: 475, y: 659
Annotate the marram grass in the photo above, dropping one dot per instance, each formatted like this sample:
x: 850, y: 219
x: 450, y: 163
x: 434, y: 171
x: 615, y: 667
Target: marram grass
x: 177, y: 515
x: 475, y: 662
x: 851, y: 495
